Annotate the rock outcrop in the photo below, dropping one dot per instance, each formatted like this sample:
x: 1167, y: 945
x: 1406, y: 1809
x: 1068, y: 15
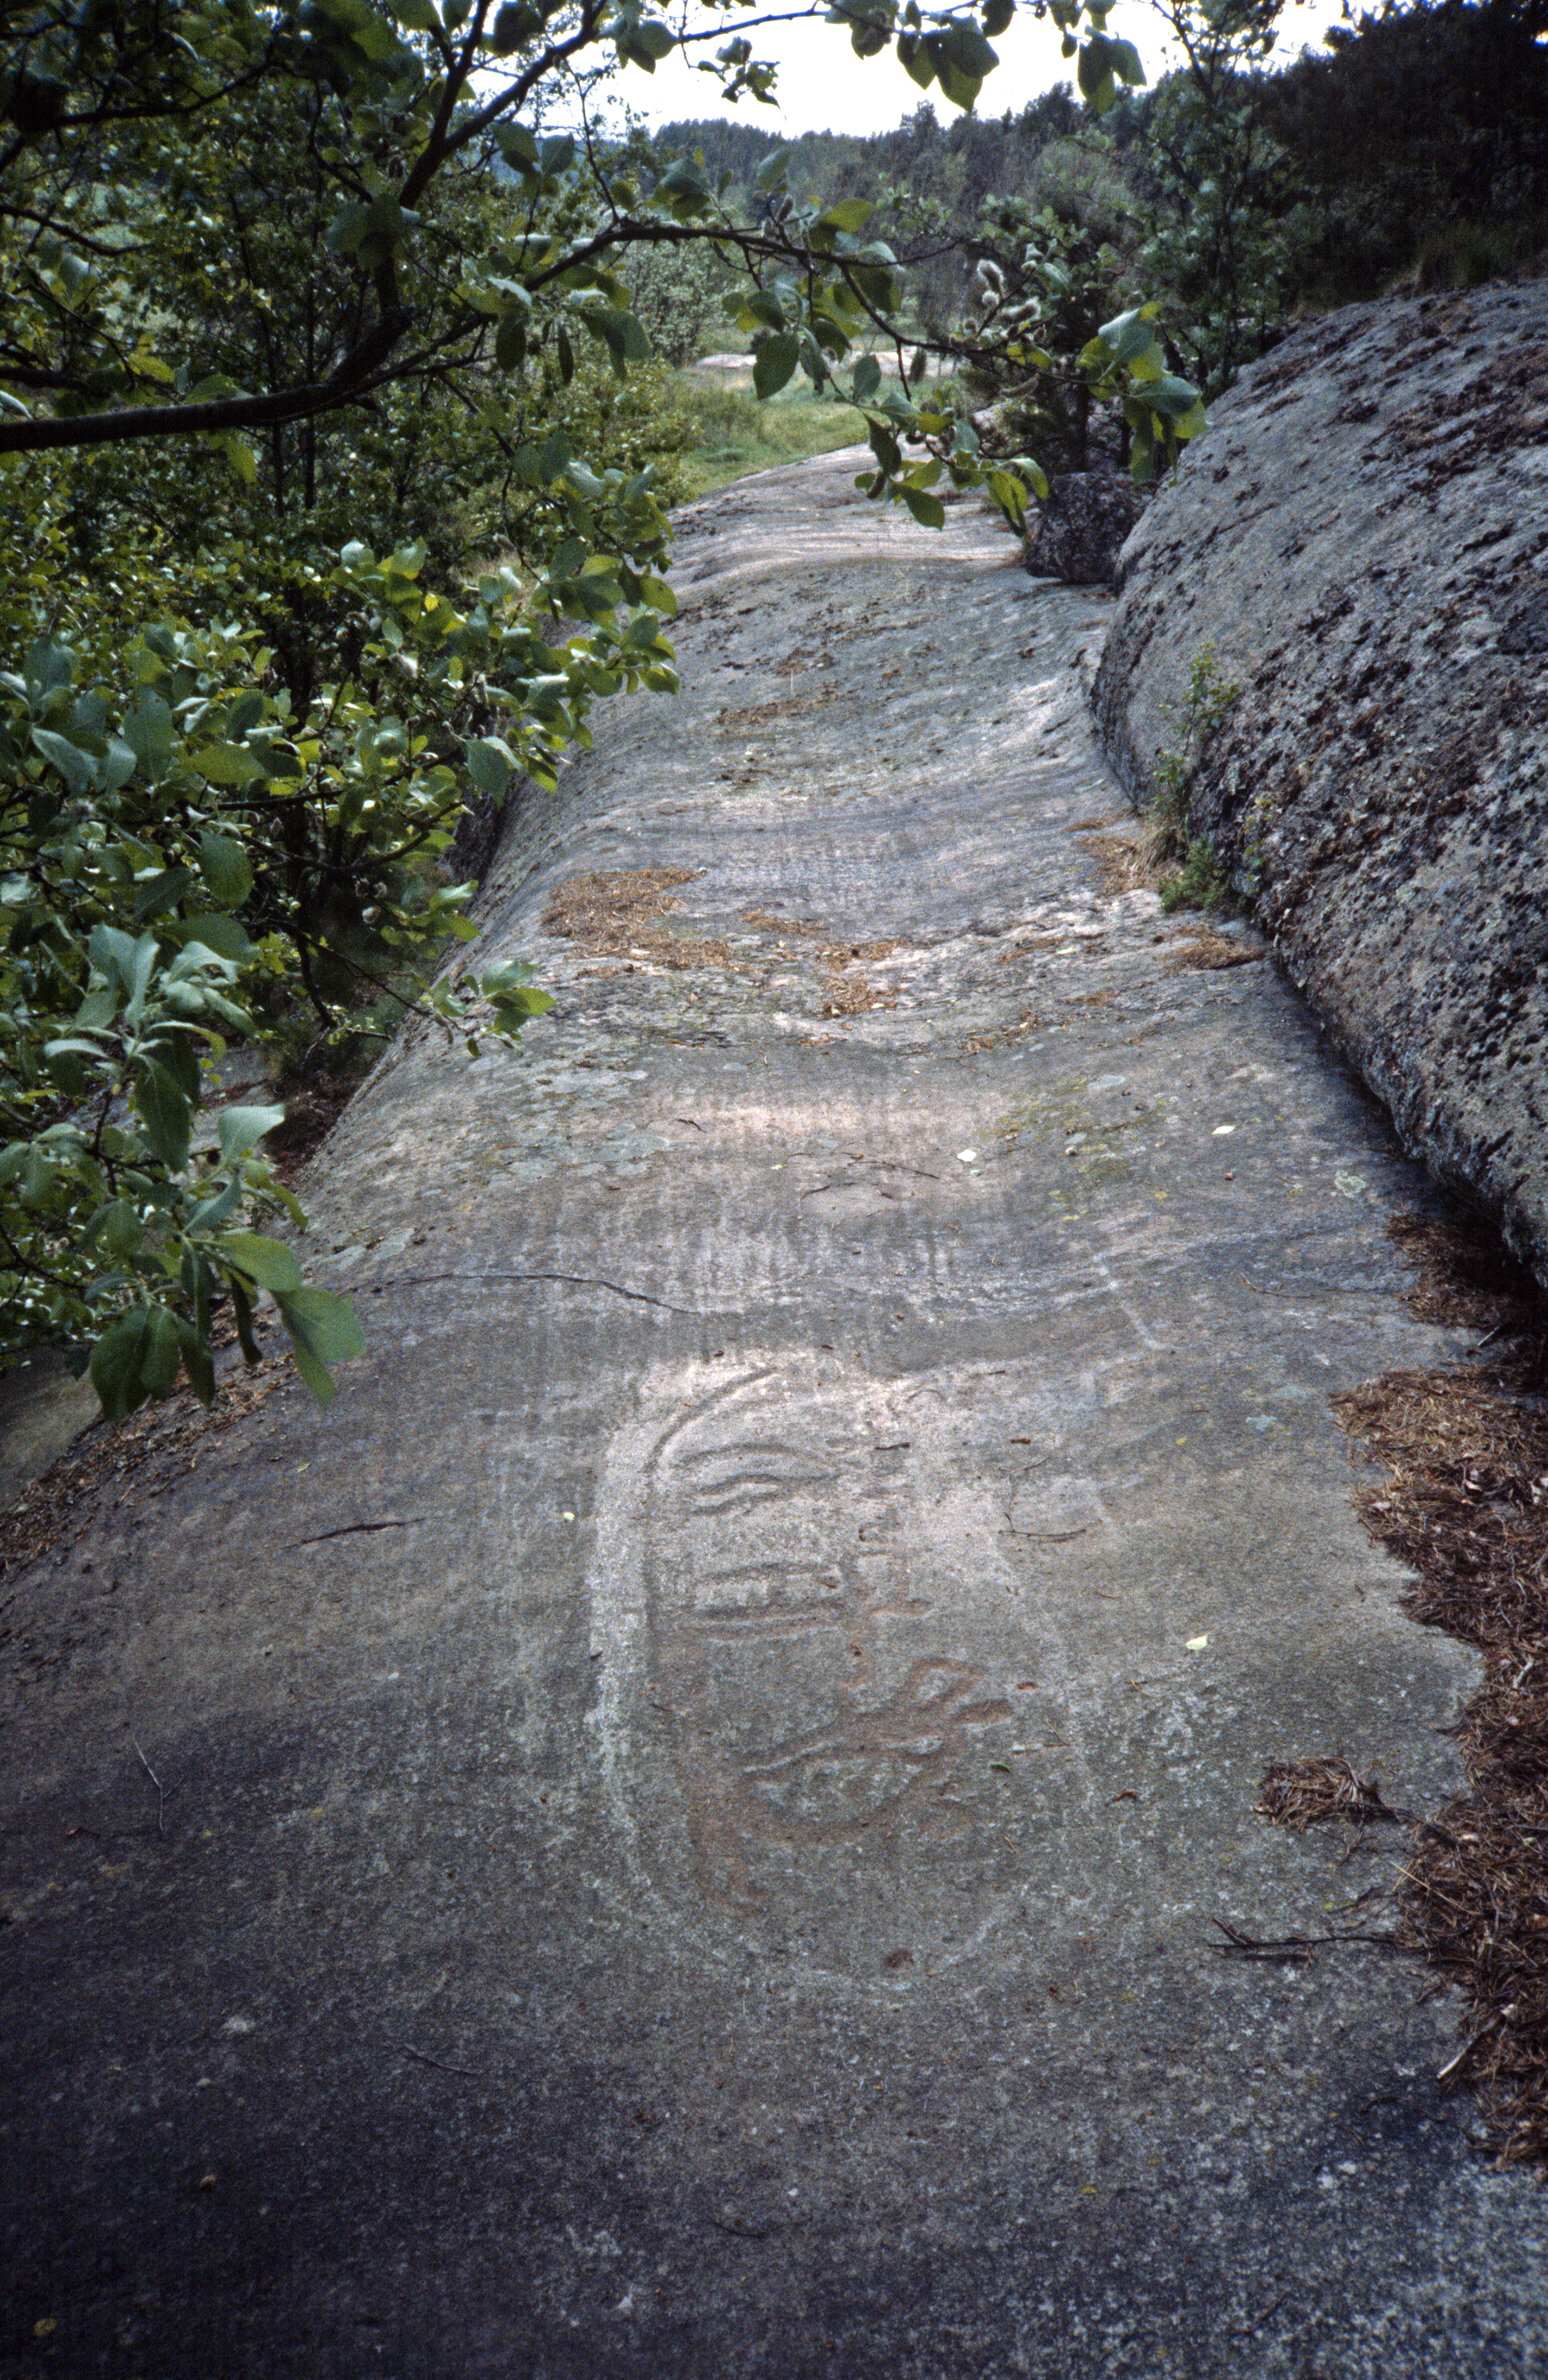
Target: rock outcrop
x: 1078, y: 532
x: 1361, y: 541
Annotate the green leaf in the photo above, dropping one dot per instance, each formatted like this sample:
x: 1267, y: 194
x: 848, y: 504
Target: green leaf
x: 239, y: 1129
x: 159, y: 1352
x: 961, y: 88
x: 328, y: 1324
x: 116, y: 1365
x: 347, y: 230
x: 489, y: 766
x: 174, y: 1052
x: 226, y: 764
x: 135, y: 1358
x: 925, y: 508
x: 159, y: 891
x: 210, y: 1213
x: 47, y: 665
x: 1173, y: 399
x: 643, y: 42
x: 77, y: 768
x: 195, y: 1351
x: 512, y: 26
x: 916, y: 60
x: 225, y: 867
x: 684, y: 180
x: 323, y: 1329
x: 241, y: 1307
x: 269, y: 1262
x: 166, y: 1112
x: 519, y: 149
x: 147, y: 729
x: 867, y: 378
x: 118, y: 1227
x: 964, y: 47
x: 63, y: 1062
x: 241, y: 456
x: 775, y: 361
x: 217, y: 931
x: 1129, y: 336
x: 37, y: 1180
x: 513, y: 1008
x: 1127, y: 64
x: 848, y: 215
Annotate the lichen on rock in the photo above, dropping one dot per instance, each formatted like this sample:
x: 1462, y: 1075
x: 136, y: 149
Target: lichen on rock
x: 1361, y: 540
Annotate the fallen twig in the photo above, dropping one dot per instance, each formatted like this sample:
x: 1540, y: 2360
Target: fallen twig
x: 1281, y: 1949
x: 474, y: 2073
x: 160, y: 1788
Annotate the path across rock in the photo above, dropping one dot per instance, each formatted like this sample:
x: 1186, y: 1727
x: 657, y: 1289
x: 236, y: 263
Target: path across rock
x: 697, y: 1798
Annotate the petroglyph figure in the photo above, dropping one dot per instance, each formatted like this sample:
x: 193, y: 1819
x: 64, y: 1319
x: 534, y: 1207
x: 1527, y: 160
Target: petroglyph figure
x: 824, y: 1616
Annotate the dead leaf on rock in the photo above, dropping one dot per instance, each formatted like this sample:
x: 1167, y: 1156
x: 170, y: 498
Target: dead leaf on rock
x: 619, y: 913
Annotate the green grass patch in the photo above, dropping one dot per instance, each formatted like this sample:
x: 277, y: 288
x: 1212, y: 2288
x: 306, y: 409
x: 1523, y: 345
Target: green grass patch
x: 727, y: 433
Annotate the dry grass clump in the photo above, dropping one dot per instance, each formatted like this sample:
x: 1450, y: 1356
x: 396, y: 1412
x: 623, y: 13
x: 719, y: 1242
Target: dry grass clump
x: 1464, y: 1505
x: 850, y: 995
x: 1001, y: 1037
x: 1466, y: 1502
x: 785, y: 706
x: 1122, y: 859
x: 765, y: 921
x: 841, y: 954
x: 619, y: 912
x: 1206, y: 948
x: 1466, y: 1277
x: 1301, y: 1793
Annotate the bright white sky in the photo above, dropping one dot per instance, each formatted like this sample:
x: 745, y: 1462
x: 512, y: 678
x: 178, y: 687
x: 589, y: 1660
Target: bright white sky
x: 824, y: 87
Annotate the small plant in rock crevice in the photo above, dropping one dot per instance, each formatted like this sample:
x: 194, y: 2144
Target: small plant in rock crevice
x: 1200, y: 882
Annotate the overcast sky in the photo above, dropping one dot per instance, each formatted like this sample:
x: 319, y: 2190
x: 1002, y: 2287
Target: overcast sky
x: 824, y: 87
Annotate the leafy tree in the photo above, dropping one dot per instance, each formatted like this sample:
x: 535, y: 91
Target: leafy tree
x: 1219, y: 245
x: 278, y: 286
x: 1052, y: 268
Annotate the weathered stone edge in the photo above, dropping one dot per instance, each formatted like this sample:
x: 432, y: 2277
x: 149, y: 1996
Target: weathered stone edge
x: 1354, y: 539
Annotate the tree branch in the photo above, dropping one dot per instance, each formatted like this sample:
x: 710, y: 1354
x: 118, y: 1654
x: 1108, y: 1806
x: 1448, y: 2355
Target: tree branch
x: 360, y: 372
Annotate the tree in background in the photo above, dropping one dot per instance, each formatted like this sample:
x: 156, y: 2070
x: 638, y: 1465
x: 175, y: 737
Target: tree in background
x: 1456, y: 181
x: 1052, y: 268
x: 301, y: 310
x: 1218, y: 246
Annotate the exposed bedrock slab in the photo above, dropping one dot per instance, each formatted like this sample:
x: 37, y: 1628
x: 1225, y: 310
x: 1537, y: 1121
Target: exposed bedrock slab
x: 698, y: 1796
x: 1361, y: 540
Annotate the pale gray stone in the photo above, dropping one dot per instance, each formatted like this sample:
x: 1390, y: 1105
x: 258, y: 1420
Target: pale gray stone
x: 1360, y: 540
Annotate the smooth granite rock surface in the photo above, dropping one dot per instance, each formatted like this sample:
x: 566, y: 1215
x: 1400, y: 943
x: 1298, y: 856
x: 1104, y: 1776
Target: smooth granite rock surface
x: 691, y: 1809
x: 1361, y: 541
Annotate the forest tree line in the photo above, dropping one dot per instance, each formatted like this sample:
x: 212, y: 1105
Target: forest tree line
x: 1413, y: 143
